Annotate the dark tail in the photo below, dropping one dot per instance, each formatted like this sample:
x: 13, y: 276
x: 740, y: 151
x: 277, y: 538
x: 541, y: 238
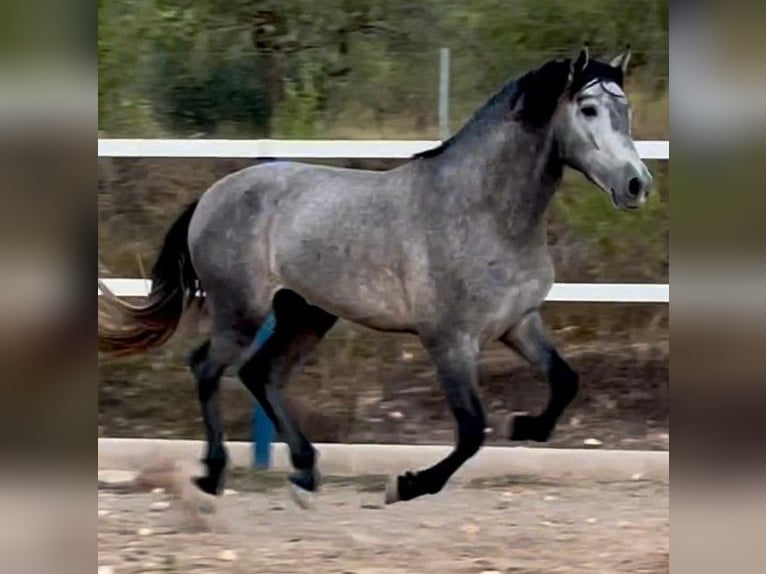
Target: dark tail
x: 124, y: 328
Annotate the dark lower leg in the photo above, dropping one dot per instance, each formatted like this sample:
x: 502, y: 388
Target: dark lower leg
x: 456, y: 368
x: 531, y: 340
x: 431, y: 480
x: 207, y: 377
x: 298, y: 328
x: 563, y: 383
x: 302, y: 453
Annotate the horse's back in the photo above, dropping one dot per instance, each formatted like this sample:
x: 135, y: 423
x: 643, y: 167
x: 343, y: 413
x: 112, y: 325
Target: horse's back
x: 250, y: 193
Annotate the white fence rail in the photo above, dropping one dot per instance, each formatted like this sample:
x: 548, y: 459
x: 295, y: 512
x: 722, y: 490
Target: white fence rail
x: 316, y: 149
x: 348, y: 149
x: 569, y: 292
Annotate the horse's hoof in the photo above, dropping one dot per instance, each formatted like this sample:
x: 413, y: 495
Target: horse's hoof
x: 303, y: 486
x: 392, y: 490
x: 527, y: 427
x: 207, y: 485
x: 303, y: 498
x: 404, y: 487
x: 307, y: 479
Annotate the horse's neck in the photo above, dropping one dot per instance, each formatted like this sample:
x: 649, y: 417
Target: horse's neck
x: 511, y: 173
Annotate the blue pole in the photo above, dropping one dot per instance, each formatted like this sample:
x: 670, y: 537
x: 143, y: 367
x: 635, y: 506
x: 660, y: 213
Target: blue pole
x: 263, y: 435
x: 261, y: 428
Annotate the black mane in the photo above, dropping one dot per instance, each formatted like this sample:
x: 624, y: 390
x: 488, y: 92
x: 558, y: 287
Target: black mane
x: 596, y: 71
x: 533, y: 97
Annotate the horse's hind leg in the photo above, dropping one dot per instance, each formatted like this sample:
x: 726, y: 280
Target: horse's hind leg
x: 208, y: 362
x: 530, y: 339
x: 298, y: 327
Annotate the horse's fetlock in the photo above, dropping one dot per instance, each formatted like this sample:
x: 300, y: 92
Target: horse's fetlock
x: 527, y: 427
x: 471, y: 435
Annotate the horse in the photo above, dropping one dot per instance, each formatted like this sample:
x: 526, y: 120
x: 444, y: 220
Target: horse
x: 449, y: 246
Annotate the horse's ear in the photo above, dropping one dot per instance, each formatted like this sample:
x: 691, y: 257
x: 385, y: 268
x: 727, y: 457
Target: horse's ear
x: 582, y: 61
x: 622, y: 60
x: 577, y: 66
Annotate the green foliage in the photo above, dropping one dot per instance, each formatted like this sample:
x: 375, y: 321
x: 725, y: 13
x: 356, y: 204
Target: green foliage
x: 299, y: 114
x: 120, y: 109
x: 228, y: 91
x: 631, y: 246
x: 369, y: 69
x: 321, y: 68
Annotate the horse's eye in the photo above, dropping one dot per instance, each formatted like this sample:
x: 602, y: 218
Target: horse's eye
x: 589, y: 111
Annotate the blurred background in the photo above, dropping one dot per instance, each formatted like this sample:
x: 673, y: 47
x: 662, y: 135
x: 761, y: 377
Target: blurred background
x: 368, y: 69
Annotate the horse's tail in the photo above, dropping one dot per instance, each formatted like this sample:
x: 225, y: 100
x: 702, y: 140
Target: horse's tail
x: 124, y: 328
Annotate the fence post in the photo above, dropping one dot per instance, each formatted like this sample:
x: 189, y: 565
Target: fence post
x: 261, y: 428
x: 263, y: 436
x: 443, y: 93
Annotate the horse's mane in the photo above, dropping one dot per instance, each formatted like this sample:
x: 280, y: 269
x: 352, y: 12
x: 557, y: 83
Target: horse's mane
x: 532, y: 98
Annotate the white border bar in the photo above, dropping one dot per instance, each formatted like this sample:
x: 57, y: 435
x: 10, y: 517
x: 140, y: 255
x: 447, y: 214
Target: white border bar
x: 569, y: 292
x: 317, y: 149
x: 610, y: 293
x: 359, y: 459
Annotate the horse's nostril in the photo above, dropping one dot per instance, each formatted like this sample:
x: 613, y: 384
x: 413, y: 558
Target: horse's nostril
x: 634, y: 186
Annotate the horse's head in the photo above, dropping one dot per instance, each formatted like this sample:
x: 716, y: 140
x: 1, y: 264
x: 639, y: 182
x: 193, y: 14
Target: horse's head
x: 593, y: 129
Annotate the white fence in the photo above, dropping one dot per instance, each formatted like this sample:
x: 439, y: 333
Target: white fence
x: 572, y: 292
x: 347, y: 149
x: 307, y: 149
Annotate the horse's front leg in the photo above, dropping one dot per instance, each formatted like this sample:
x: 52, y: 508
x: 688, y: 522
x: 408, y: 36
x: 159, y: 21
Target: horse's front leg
x: 530, y: 339
x: 455, y: 359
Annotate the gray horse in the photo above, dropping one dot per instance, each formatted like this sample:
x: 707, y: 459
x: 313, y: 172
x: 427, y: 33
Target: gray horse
x: 450, y: 246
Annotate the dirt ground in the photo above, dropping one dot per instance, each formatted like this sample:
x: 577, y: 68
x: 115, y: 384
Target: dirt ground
x: 375, y: 388
x: 518, y: 525
x: 368, y: 387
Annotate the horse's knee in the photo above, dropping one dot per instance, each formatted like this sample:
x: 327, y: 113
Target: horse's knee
x: 206, y: 372
x: 198, y: 358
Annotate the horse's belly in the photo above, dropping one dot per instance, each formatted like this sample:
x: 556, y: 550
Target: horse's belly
x: 375, y: 302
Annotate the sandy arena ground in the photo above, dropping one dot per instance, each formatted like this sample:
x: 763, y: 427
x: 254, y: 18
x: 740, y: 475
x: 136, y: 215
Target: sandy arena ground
x: 519, y: 525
